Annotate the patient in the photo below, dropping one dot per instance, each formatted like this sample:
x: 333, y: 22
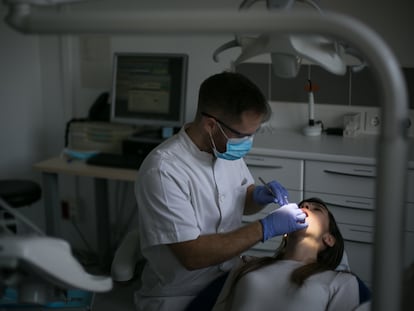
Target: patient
x: 301, y: 275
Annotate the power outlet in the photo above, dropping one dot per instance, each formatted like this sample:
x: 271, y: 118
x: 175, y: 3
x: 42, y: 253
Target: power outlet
x: 372, y: 122
x: 70, y: 210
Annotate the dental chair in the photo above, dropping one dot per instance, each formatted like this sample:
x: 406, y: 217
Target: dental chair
x: 36, y: 271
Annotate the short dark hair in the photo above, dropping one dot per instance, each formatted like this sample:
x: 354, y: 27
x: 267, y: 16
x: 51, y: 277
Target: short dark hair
x: 228, y: 94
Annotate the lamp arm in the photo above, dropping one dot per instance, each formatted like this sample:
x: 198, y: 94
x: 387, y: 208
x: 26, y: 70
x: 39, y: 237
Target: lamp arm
x: 225, y: 46
x: 246, y: 4
x: 312, y: 4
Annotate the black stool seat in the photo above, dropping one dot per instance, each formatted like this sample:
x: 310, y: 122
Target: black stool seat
x: 19, y: 193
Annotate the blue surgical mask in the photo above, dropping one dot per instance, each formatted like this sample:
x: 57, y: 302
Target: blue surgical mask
x: 236, y: 148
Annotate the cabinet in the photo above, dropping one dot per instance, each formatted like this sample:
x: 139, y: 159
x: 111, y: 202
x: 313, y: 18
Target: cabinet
x: 349, y: 191
x: 289, y: 172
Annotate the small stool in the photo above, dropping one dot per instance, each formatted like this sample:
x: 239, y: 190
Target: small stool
x: 18, y: 193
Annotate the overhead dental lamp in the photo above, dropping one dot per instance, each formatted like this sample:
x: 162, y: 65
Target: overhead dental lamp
x: 287, y: 51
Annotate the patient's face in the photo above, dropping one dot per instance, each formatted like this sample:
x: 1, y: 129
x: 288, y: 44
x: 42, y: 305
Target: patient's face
x: 317, y: 218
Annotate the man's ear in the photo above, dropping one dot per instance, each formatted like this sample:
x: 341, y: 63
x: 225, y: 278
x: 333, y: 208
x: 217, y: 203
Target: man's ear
x: 329, y: 239
x: 209, y: 125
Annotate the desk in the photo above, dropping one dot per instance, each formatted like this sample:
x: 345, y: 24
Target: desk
x: 52, y: 167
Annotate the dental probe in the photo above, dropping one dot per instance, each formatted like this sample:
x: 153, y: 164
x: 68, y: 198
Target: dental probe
x: 270, y: 189
x: 267, y: 187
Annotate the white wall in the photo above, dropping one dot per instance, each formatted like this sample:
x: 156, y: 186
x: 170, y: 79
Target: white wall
x: 46, y: 80
x: 21, y: 108
x: 21, y: 114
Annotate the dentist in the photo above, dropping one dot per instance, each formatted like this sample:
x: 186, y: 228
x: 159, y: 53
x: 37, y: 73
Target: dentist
x: 192, y: 191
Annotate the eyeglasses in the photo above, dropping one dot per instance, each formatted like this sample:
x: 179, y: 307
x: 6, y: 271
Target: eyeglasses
x: 236, y: 132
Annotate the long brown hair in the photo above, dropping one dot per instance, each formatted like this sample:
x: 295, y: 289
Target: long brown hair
x: 327, y: 259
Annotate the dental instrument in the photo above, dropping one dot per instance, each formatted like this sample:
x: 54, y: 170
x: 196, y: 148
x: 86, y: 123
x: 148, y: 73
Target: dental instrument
x: 271, y: 191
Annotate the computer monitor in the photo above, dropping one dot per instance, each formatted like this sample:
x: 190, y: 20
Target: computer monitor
x: 148, y: 89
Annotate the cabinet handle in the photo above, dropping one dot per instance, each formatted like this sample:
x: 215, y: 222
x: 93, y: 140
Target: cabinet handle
x: 357, y: 241
x: 355, y: 173
x: 256, y: 161
x: 364, y: 205
x: 278, y: 167
x: 363, y: 230
x: 254, y: 158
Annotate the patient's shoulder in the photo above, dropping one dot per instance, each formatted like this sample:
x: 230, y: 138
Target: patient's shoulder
x: 335, y: 279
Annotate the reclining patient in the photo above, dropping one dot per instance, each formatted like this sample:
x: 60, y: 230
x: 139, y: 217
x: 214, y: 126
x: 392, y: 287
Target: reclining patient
x: 300, y: 276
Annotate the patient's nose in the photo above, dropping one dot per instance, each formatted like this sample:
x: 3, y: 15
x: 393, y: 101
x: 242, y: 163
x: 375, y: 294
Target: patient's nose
x: 305, y: 205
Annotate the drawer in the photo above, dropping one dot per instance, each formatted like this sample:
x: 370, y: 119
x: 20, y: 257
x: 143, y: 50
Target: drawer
x: 357, y: 203
x: 354, y: 216
x: 347, y: 209
x: 356, y: 233
x: 358, y: 211
x: 338, y: 178
x: 288, y: 172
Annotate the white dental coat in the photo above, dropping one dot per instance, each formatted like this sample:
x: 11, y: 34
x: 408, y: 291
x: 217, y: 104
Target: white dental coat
x: 183, y: 193
x: 269, y: 289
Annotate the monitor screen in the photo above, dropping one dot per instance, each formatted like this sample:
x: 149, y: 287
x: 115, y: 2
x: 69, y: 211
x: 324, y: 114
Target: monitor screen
x: 149, y: 89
